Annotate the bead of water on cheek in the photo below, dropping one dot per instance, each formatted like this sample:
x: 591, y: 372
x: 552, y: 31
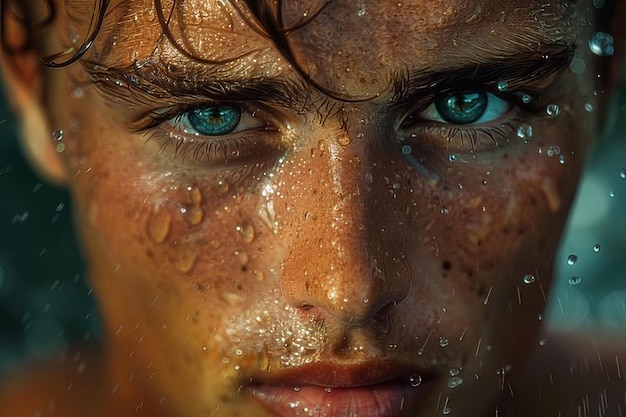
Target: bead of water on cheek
x: 247, y: 233
x: 601, y: 44
x: 159, y: 225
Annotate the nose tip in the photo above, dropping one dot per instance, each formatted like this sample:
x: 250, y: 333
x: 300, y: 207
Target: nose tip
x: 348, y: 291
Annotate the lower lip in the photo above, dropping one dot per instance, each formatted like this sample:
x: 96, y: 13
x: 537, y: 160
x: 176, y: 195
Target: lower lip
x: 380, y: 400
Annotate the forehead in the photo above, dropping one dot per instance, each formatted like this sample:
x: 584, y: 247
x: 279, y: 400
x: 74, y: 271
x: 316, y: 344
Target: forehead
x: 358, y: 38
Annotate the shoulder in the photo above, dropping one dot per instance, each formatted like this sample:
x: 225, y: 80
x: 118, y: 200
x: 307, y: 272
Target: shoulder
x: 578, y: 374
x: 64, y: 387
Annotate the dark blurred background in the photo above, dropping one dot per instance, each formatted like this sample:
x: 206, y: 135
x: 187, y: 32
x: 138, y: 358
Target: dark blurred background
x: 45, y: 302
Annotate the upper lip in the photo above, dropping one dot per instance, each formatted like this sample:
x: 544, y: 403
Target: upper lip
x: 343, y: 375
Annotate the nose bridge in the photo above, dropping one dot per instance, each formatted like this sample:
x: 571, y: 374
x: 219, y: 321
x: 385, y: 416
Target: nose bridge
x: 338, y: 262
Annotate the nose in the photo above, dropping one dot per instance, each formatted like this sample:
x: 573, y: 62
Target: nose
x: 346, y: 259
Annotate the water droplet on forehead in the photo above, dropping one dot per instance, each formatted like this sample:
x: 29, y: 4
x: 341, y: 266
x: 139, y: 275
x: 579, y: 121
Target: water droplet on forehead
x: 602, y: 44
x: 572, y: 259
x: 528, y: 279
x: 574, y: 280
x: 502, y: 85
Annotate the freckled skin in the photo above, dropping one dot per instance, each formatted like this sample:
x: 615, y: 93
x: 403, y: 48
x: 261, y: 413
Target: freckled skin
x: 335, y: 248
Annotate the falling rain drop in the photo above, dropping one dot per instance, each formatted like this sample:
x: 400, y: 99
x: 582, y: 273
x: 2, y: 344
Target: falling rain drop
x: 502, y: 85
x: 415, y: 380
x: 597, y: 247
x: 574, y: 280
x: 601, y: 44
x: 552, y: 110
x: 454, y: 382
x: 572, y: 259
x: 528, y: 279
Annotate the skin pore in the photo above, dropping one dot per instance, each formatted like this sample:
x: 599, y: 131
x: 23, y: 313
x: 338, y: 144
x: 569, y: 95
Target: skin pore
x: 317, y: 232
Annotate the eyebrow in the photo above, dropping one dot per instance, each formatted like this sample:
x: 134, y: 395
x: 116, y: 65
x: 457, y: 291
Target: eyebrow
x: 517, y: 69
x: 166, y: 83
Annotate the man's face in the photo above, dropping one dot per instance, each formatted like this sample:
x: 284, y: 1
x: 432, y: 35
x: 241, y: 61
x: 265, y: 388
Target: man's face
x: 373, y: 239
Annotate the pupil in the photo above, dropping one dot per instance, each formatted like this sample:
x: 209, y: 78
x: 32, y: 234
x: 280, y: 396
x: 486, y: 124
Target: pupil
x: 215, y: 120
x: 461, y: 107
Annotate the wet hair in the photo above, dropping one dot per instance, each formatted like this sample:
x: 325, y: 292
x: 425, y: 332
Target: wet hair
x: 265, y: 17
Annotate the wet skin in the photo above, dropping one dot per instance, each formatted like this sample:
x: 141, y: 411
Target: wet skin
x: 329, y: 242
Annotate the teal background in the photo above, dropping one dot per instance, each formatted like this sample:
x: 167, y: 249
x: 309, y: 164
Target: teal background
x: 45, y: 303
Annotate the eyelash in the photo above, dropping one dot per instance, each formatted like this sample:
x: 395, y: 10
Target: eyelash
x: 253, y: 144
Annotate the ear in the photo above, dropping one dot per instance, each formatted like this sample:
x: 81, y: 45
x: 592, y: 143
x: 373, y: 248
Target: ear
x: 24, y: 88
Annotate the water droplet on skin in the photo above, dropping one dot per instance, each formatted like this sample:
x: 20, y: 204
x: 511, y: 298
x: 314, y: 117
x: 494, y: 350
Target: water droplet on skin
x: 60, y: 147
x: 572, y: 259
x: 528, y: 279
x: 612, y: 194
x: 57, y: 135
x: 185, y: 258
x: 552, y: 110
x: 589, y: 107
x: 296, y: 389
x: 392, y: 346
x: 343, y: 140
x: 601, y: 44
x: 159, y: 225
x: 526, y: 99
x: 194, y: 216
x: 443, y: 341
x: 247, y: 233
x: 622, y: 173
x: 561, y: 159
x: 242, y: 257
x: 223, y: 187
x: 407, y: 150
x: 328, y: 389
x: 574, y: 280
x: 452, y: 157
x: 502, y: 85
x: 415, y: 380
x: 553, y: 150
x: 598, y: 4
x: 597, y: 247
x: 542, y: 342
x: 578, y: 66
x: 454, y: 371
x: 525, y: 132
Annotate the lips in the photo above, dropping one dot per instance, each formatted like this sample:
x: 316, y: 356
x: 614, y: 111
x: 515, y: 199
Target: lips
x: 326, y: 390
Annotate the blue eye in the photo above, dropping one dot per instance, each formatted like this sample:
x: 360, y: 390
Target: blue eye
x: 466, y: 107
x: 214, y: 120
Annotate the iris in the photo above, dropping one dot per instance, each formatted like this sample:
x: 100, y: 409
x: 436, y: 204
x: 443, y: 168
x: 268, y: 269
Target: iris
x: 461, y: 107
x: 215, y: 120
